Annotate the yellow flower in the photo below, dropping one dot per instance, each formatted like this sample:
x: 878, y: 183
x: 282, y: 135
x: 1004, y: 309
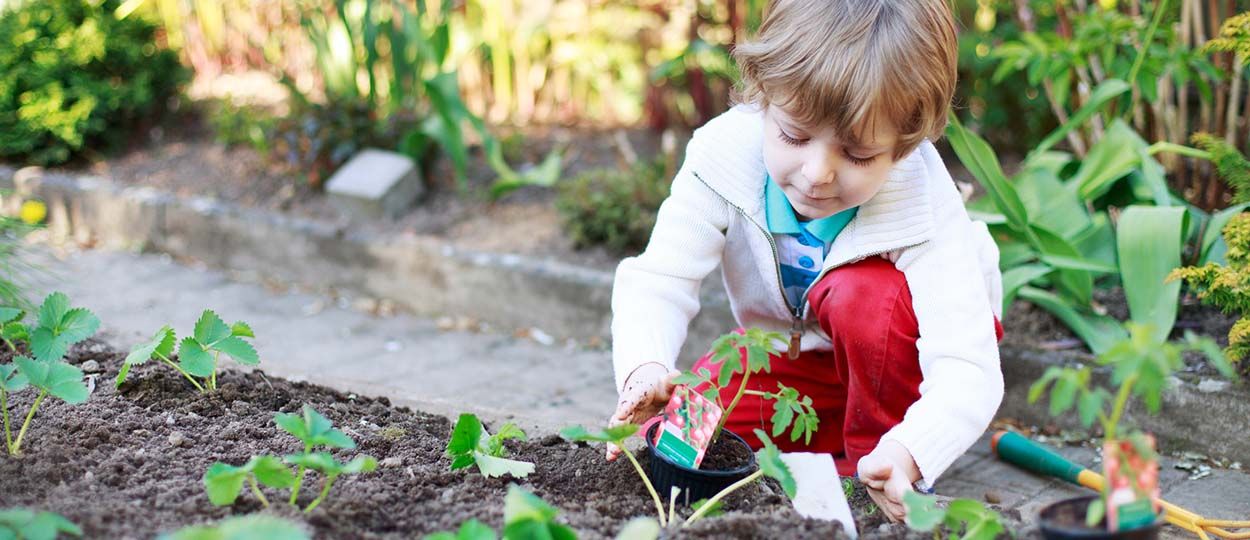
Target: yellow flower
x: 33, y: 212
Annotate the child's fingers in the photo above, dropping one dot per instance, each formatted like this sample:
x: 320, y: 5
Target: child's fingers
x: 613, y: 452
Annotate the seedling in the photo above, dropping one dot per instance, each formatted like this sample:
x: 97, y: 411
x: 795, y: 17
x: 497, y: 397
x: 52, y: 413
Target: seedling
x: 527, y: 516
x: 470, y: 444
x: 250, y: 527
x: 28, y: 524
x: 469, y: 530
x: 617, y: 435
x: 757, y: 345
x: 971, y: 517
x: 59, y: 328
x: 11, y: 328
x: 1141, y: 365
x: 224, y: 482
x: 771, y: 465
x: 198, y: 354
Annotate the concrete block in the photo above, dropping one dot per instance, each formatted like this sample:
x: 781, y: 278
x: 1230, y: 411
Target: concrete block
x: 376, y: 183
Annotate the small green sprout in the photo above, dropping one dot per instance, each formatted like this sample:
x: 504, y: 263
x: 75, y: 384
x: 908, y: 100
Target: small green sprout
x: 21, y: 523
x: 617, y: 435
x: 527, y: 516
x: 198, y: 354
x: 11, y: 328
x: 469, y: 530
x: 757, y: 345
x: 717, y: 508
x: 250, y: 527
x: 224, y: 482
x: 59, y: 328
x: 771, y: 465
x: 970, y: 518
x: 470, y: 444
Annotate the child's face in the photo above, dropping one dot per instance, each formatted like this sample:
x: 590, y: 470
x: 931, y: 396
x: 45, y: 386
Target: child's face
x: 820, y: 174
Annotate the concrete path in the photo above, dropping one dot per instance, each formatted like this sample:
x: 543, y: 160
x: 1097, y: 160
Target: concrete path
x: 493, y: 372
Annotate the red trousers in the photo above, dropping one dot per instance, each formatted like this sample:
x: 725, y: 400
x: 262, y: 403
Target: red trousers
x: 863, y: 386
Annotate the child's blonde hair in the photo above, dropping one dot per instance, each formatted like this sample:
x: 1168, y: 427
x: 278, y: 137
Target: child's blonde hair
x: 848, y: 63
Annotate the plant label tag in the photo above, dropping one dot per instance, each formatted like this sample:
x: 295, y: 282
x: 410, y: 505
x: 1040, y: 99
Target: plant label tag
x: 686, y: 431
x: 1132, y: 469
x: 819, y: 494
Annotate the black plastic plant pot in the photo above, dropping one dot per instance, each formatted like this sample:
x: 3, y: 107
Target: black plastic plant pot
x: 1065, y: 520
x: 695, y: 484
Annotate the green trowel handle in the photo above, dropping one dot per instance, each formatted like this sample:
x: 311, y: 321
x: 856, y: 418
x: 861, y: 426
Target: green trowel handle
x: 1035, y: 457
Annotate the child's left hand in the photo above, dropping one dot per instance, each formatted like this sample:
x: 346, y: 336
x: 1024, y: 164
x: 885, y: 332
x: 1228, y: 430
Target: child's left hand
x: 888, y: 472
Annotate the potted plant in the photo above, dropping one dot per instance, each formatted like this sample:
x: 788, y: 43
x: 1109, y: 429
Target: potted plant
x: 1141, y: 365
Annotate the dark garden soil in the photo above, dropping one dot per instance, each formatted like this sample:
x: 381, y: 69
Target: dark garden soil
x: 128, y: 464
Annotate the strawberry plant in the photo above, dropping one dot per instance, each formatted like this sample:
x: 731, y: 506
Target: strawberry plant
x: 223, y: 481
x: 59, y: 327
x: 771, y: 465
x: 527, y: 516
x: 789, y: 408
x: 969, y: 518
x: 250, y: 527
x: 617, y: 435
x: 199, y: 353
x: 11, y: 327
x: 21, y: 523
x: 470, y: 444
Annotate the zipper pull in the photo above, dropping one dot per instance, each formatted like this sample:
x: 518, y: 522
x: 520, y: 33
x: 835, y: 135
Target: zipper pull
x: 796, y: 335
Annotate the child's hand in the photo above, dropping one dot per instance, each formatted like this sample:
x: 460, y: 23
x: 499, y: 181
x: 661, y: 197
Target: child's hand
x: 647, y: 391
x: 888, y: 472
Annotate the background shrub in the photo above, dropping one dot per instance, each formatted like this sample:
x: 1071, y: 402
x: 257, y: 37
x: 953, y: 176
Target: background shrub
x: 614, y: 208
x: 73, y: 76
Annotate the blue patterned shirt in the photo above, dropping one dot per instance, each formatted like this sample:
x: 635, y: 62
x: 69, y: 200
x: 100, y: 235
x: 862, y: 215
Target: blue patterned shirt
x: 801, y: 245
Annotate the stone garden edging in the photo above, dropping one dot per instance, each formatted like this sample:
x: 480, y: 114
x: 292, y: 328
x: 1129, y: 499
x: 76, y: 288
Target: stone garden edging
x: 431, y: 277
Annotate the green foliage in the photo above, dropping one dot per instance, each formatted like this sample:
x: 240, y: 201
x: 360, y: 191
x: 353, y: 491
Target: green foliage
x: 249, y: 527
x: 59, y: 327
x: 73, y: 77
x: 968, y: 518
x: 199, y: 353
x: 526, y: 517
x: 251, y: 126
x: 470, y: 445
x: 469, y: 530
x: 13, y: 265
x: 1234, y: 37
x: 1228, y: 286
x: 24, y: 524
x: 223, y: 482
x: 614, y: 208
x: 1233, y: 167
x: 791, y: 408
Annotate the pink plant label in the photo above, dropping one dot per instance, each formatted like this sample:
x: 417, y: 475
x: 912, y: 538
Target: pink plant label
x: 1132, y: 470
x: 688, y: 423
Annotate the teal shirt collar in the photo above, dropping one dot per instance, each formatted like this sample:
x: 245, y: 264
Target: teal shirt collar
x: 782, y: 219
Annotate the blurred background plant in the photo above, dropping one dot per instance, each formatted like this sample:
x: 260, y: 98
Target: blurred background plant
x: 75, y: 78
x: 614, y: 208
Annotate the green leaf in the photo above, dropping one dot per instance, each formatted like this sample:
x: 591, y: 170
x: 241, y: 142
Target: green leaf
x: 318, y: 461
x: 1213, y: 246
x: 1094, y: 513
x: 506, y: 432
x: 29, y: 525
x: 1150, y: 240
x: 12, y: 379
x: 520, y: 505
x: 1078, y: 283
x: 194, y: 359
x: 45, y: 345
x: 360, y: 464
x: 1209, y: 348
x: 162, y: 343
x: 15, y: 331
x: 210, y: 329
x: 9, y: 314
x: 77, y: 324
x: 464, y: 436
x: 717, y: 508
x: 494, y: 467
x: 923, y: 513
x: 1110, y: 159
x: 1038, y: 387
x: 223, y: 482
x: 615, y: 434
x: 981, y: 161
x: 469, y: 530
x: 54, y: 308
x: 769, y: 458
x: 1018, y: 277
x: 319, y: 431
x: 1099, y: 332
x: 1089, y: 406
x: 250, y: 527
x: 1063, y: 393
x: 57, y: 378
x: 241, y: 351
x: 241, y: 329
x: 271, y: 472
x: 292, y: 424
x: 640, y: 528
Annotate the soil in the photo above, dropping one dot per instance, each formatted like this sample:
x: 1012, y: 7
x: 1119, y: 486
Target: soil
x: 128, y: 464
x: 725, y: 454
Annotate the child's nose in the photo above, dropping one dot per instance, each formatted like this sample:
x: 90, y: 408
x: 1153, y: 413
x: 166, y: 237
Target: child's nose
x: 820, y: 169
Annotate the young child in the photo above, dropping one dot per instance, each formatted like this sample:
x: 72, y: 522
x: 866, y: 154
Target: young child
x: 835, y: 221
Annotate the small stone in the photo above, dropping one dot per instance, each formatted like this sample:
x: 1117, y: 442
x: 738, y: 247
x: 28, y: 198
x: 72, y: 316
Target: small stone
x: 169, y: 420
x: 1212, y: 385
x: 993, y: 497
x: 91, y: 366
x: 1236, y: 466
x: 177, y: 439
x: 392, y: 462
x: 90, y: 476
x: 577, y: 473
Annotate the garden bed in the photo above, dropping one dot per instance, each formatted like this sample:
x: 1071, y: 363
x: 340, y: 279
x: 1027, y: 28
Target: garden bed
x: 128, y: 464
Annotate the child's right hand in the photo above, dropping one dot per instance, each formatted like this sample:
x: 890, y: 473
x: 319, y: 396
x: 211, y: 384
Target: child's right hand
x: 647, y: 391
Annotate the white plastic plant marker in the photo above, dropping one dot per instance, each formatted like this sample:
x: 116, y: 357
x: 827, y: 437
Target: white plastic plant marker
x: 819, y: 494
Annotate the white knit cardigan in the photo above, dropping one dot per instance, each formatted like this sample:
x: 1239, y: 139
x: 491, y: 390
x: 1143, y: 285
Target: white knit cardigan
x: 715, y: 216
